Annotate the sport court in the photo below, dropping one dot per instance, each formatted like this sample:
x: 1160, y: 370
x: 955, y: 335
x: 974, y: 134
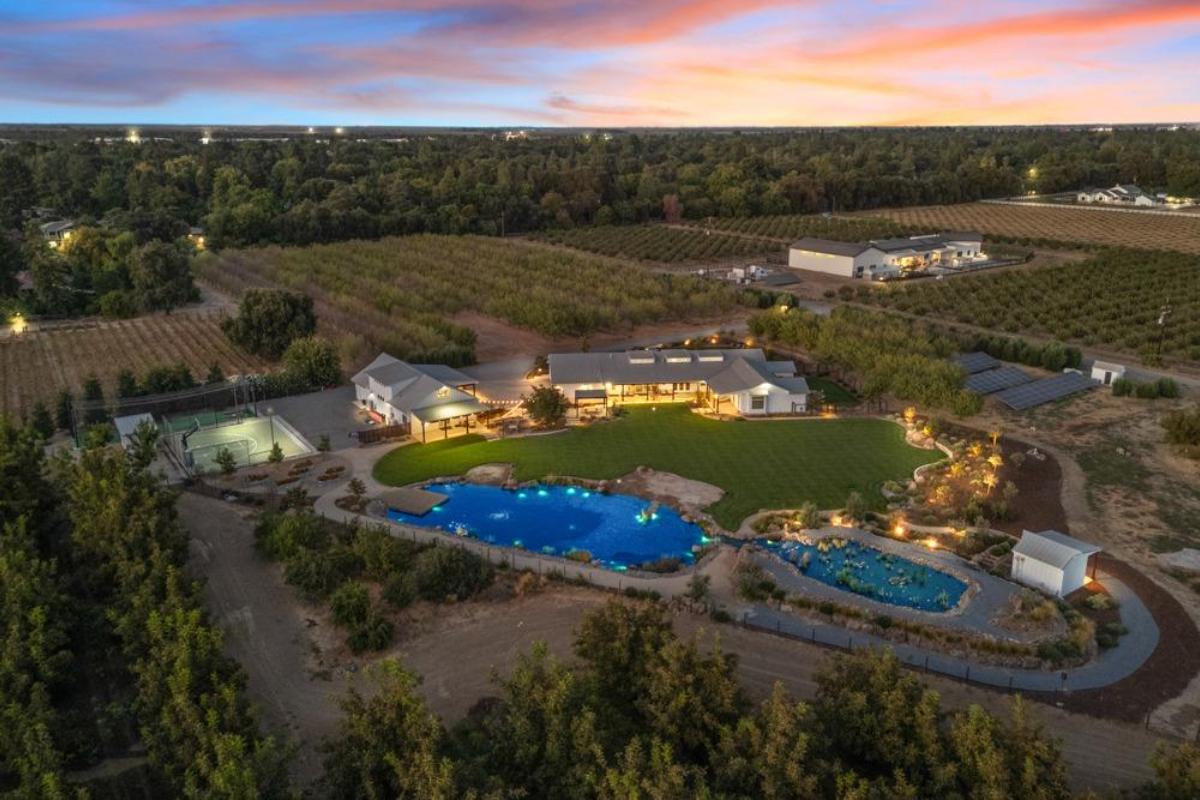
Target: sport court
x: 250, y: 440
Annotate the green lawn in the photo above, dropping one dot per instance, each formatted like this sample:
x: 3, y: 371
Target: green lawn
x: 773, y: 464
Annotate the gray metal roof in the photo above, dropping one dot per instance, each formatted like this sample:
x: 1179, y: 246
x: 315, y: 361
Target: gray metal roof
x: 447, y: 375
x: 742, y: 375
x: 441, y: 411
x: 1053, y: 548
x: 617, y: 368
x: 829, y: 246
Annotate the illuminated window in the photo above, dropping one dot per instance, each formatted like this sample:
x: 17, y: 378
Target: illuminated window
x: 443, y: 392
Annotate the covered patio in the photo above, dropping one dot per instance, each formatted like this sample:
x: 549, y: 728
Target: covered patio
x: 446, y: 420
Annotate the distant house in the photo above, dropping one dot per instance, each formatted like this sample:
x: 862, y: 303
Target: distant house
x: 1107, y: 372
x: 196, y: 237
x: 887, y: 258
x: 57, y: 232
x: 1120, y: 195
x: 417, y: 395
x: 1052, y: 562
x: 733, y: 381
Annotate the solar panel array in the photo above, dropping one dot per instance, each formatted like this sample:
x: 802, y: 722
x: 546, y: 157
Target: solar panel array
x: 1028, y: 395
x: 995, y: 380
x: 975, y: 362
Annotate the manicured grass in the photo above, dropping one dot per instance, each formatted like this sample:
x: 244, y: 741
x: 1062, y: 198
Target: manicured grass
x: 834, y: 392
x: 760, y: 465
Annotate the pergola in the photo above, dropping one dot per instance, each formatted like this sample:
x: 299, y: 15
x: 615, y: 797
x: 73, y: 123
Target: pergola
x: 447, y: 414
x: 590, y: 395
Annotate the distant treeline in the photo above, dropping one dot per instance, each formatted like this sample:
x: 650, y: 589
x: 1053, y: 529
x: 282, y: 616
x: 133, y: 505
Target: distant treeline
x: 304, y: 190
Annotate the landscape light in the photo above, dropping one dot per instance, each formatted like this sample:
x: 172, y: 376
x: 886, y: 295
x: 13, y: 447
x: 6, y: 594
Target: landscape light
x: 18, y: 324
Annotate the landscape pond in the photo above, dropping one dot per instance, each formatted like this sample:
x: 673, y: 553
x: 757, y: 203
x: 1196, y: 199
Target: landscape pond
x: 618, y: 531
x: 853, y: 567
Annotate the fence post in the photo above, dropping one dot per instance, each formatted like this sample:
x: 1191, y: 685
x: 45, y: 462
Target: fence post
x: 813, y: 636
x: 926, y: 663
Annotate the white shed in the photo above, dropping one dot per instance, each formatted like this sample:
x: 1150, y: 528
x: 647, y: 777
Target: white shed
x: 1106, y: 372
x: 1051, y: 561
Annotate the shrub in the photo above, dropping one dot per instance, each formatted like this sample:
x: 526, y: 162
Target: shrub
x: 400, y: 590
x: 375, y: 633
x: 753, y: 584
x: 276, y: 454
x: 317, y: 574
x: 350, y: 604
x: 382, y: 554
x: 280, y: 536
x: 443, y: 572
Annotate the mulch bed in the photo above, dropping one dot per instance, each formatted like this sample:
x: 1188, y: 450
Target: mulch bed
x: 1038, y: 505
x: 1168, y: 671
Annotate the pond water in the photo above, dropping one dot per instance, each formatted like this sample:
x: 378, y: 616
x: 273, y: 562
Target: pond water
x: 852, y: 567
x: 617, y: 530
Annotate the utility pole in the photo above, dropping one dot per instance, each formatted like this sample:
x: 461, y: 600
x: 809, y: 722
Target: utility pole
x: 1163, y: 314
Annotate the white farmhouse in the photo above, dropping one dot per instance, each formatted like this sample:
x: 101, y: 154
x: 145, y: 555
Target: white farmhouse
x: 887, y: 258
x: 1107, y: 372
x: 1051, y: 561
x: 727, y: 381
x: 1120, y: 195
x: 398, y: 393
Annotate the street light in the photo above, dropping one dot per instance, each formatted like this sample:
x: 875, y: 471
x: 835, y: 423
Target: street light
x: 271, y: 420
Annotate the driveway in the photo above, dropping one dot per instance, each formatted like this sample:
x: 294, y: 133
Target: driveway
x: 331, y: 412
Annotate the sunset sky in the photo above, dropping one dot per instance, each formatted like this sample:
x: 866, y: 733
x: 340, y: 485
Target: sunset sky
x: 599, y: 63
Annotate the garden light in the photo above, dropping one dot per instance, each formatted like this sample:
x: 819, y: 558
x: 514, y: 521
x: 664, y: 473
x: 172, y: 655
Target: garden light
x: 18, y: 324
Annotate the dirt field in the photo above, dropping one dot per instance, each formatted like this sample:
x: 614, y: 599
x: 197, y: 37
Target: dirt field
x: 297, y: 670
x: 1064, y: 224
x: 39, y: 363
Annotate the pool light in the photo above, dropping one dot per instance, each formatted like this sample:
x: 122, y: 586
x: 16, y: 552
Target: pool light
x: 542, y: 493
x: 571, y: 490
x: 521, y: 495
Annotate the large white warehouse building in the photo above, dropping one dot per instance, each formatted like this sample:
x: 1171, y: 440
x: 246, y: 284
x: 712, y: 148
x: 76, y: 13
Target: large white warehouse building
x: 887, y: 258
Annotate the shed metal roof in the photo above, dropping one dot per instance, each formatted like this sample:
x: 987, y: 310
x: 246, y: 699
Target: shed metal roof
x: 1053, y: 548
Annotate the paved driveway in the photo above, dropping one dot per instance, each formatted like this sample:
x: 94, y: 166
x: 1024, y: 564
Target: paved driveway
x: 331, y: 412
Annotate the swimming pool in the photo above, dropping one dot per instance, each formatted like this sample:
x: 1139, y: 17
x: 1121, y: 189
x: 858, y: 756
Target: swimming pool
x: 617, y: 530
x: 853, y: 567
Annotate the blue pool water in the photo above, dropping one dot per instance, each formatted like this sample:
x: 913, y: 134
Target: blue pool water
x: 557, y: 520
x: 872, y: 573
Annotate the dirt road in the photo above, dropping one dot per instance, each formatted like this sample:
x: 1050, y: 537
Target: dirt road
x: 297, y: 682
